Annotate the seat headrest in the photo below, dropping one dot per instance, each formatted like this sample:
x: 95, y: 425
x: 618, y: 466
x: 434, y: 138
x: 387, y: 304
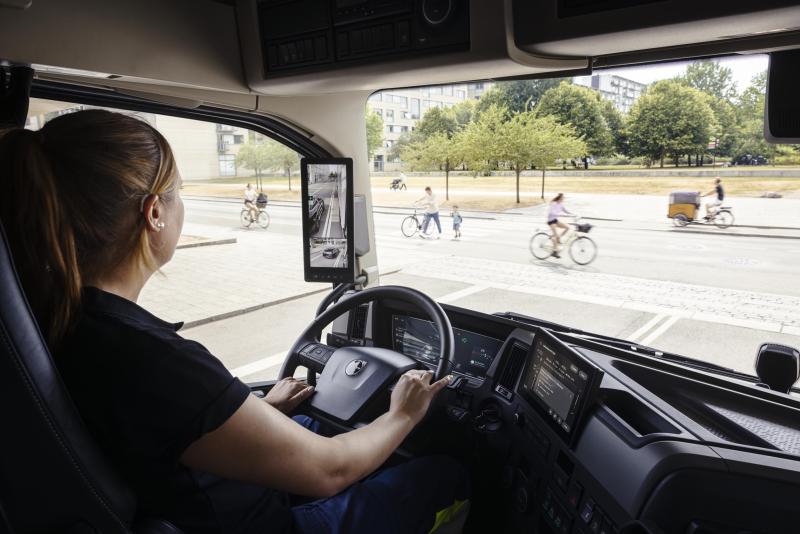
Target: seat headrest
x: 53, y: 477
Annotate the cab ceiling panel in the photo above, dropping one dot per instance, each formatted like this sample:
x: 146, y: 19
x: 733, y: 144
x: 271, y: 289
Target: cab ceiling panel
x: 319, y: 46
x: 182, y: 42
x: 606, y: 27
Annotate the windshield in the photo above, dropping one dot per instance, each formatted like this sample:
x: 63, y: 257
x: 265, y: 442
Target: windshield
x: 632, y: 155
x: 639, y: 203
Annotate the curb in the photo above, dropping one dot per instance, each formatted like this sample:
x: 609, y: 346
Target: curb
x: 208, y: 243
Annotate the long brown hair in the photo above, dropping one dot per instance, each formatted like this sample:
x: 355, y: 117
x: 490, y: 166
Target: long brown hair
x: 71, y: 203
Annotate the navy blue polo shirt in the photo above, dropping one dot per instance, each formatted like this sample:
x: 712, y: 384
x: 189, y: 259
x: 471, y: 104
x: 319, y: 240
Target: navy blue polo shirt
x: 146, y: 394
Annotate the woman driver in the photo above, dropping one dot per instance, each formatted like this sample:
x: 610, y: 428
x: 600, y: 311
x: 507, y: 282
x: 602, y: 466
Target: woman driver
x: 92, y: 208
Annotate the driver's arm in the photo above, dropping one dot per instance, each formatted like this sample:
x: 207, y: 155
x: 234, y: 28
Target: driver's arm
x: 259, y: 444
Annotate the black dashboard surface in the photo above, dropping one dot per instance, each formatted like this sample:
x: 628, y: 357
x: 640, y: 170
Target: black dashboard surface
x: 653, y: 452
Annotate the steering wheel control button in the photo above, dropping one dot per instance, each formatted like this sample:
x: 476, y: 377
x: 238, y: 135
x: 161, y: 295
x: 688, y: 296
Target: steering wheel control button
x: 355, y: 367
x: 587, y: 511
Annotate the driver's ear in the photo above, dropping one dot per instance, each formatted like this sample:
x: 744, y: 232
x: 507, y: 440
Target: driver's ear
x: 152, y: 212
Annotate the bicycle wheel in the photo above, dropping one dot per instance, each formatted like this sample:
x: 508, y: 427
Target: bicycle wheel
x: 245, y: 217
x: 541, y: 245
x: 263, y: 219
x: 583, y: 251
x: 409, y: 226
x: 680, y: 220
x: 723, y: 219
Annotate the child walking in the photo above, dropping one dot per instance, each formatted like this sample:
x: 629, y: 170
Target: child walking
x: 457, y: 219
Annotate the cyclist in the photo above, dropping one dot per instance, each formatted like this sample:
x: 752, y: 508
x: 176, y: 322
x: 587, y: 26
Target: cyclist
x: 250, y: 196
x: 713, y: 204
x: 554, y: 211
x: 431, y: 204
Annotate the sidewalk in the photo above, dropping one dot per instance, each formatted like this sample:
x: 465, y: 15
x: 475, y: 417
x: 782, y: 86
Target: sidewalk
x: 202, y: 284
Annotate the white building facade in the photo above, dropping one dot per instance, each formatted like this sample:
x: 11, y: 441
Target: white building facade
x: 401, y: 109
x: 620, y: 91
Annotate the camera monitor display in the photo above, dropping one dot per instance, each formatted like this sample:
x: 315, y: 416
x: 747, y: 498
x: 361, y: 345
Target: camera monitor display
x: 327, y: 206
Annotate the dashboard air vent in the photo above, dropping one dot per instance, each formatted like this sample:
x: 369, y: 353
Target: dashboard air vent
x: 359, y: 328
x: 512, y: 366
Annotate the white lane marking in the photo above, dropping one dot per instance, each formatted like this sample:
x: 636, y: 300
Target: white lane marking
x: 455, y: 295
x: 259, y: 365
x: 646, y: 328
x: 660, y: 330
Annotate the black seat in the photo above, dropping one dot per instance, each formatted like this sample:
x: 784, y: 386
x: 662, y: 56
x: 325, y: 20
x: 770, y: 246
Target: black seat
x: 53, y: 477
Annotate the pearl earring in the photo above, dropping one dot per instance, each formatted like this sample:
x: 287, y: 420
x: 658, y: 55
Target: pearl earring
x: 160, y: 225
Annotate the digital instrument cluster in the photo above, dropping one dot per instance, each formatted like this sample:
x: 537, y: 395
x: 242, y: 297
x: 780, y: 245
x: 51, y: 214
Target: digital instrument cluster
x: 418, y: 339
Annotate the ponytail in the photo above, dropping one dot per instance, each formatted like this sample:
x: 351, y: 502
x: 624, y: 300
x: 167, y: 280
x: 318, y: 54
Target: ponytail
x: 70, y: 205
x: 39, y: 234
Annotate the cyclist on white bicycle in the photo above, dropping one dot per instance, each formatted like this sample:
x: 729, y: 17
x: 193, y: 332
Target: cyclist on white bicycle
x: 250, y: 196
x: 554, y: 211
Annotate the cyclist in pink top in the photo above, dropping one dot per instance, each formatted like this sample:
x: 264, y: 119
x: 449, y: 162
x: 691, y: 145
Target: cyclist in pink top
x: 554, y: 211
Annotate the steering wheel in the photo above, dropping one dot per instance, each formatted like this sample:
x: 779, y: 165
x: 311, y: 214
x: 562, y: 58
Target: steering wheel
x: 352, y: 377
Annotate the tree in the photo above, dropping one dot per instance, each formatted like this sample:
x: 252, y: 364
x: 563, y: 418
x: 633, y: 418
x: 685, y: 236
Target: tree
x: 520, y: 141
x: 438, y: 151
x: 581, y: 108
x: 616, y: 124
x: 712, y: 78
x: 549, y: 141
x: 517, y: 96
x: 254, y: 156
x: 374, y: 133
x: 283, y: 158
x: 670, y: 119
x: 480, y: 140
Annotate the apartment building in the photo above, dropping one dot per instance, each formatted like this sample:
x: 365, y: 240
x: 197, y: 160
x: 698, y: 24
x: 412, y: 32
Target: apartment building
x: 620, y: 91
x: 401, y: 109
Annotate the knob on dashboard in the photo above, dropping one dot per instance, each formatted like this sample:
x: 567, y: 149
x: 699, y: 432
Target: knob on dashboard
x: 437, y: 12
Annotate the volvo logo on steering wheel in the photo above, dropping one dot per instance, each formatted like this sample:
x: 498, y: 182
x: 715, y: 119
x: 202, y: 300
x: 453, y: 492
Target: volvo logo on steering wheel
x: 354, y: 367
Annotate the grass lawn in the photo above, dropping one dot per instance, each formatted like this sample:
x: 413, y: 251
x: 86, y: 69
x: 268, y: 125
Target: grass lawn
x: 496, y: 193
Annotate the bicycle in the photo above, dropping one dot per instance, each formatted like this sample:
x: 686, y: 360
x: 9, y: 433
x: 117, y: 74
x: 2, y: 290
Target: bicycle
x: 412, y: 224
x: 582, y: 249
x: 247, y: 218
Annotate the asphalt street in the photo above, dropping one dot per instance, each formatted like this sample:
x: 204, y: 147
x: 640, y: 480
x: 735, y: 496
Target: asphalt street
x: 332, y: 251
x: 711, y: 296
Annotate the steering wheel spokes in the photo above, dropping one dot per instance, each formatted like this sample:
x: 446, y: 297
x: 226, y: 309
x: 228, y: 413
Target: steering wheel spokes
x: 352, y: 378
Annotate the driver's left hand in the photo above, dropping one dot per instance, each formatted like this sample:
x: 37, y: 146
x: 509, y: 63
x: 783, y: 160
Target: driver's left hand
x: 288, y: 393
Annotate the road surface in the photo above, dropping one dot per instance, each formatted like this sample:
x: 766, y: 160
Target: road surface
x: 714, y: 297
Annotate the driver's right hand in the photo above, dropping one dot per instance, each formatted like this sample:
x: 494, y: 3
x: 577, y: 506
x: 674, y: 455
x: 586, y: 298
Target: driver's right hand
x: 413, y: 393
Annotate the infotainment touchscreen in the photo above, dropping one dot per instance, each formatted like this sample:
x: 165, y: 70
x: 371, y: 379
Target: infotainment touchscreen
x: 418, y: 339
x: 560, y: 384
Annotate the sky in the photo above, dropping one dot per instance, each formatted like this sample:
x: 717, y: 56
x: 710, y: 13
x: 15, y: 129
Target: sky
x: 743, y: 67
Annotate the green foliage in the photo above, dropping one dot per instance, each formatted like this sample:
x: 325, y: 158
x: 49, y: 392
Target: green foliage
x: 480, y: 140
x: 670, y: 119
x: 436, y: 120
x: 710, y: 77
x: 517, y: 96
x: 583, y: 109
x: 254, y: 156
x: 268, y: 155
x: 374, y: 132
x: 437, y: 151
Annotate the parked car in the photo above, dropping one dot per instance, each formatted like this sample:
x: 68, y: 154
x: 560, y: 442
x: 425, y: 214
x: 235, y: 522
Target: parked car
x: 747, y: 159
x: 316, y: 207
x: 330, y: 252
